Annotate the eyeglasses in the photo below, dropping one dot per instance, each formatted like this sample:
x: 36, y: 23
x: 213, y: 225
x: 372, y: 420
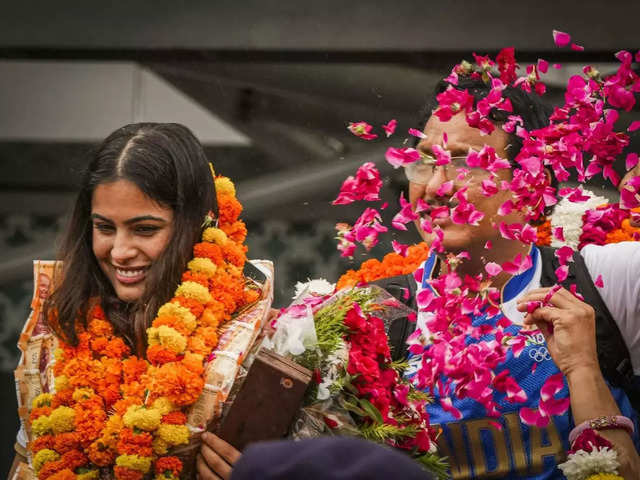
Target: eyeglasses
x: 423, y: 170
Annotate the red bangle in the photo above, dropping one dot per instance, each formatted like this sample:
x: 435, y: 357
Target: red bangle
x: 607, y: 422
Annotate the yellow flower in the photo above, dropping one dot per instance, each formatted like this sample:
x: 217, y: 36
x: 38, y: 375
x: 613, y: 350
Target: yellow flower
x: 90, y: 475
x: 58, y: 354
x: 160, y: 447
x: 176, y: 310
x: 134, y: 462
x: 195, y: 291
x: 138, y: 416
x: 168, y: 476
x: 224, y: 185
x: 84, y: 393
x: 42, y: 400
x: 62, y: 419
x: 174, y: 434
x: 167, y: 337
x: 41, y: 425
x: 203, y: 265
x: 43, y: 456
x: 605, y: 476
x: 164, y: 405
x: 62, y: 383
x: 214, y: 235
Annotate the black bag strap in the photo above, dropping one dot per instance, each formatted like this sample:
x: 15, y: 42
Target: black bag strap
x: 613, y: 354
x: 403, y: 288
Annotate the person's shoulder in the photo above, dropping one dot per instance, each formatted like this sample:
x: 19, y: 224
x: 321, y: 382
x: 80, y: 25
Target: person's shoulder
x: 622, y: 249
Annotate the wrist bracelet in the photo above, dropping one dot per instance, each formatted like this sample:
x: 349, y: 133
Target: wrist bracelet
x: 607, y: 422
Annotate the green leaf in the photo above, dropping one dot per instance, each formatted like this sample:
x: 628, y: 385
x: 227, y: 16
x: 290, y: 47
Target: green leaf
x: 371, y: 410
x: 352, y: 407
x: 435, y: 464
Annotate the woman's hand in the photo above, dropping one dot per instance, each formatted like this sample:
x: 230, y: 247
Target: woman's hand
x: 216, y: 458
x: 568, y: 326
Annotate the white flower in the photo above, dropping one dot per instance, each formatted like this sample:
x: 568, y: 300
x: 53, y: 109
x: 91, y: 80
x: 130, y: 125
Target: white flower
x: 568, y: 215
x: 318, y: 286
x: 581, y: 464
x: 336, y: 362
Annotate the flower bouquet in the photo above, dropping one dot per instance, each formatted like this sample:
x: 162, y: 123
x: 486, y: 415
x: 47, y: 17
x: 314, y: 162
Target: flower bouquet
x: 357, y: 390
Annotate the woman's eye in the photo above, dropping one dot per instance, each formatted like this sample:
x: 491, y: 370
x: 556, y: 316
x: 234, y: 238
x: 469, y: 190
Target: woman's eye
x: 146, y: 229
x: 103, y: 227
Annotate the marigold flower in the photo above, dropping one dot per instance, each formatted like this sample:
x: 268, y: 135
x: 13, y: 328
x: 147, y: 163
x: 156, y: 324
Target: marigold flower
x: 41, y: 425
x: 194, y: 307
x: 175, y: 418
x: 38, y: 412
x: 235, y: 254
x: 160, y: 447
x: 65, y: 442
x: 84, y: 393
x: 61, y: 382
x: 164, y: 405
x: 42, y: 400
x: 229, y: 207
x: 124, y: 473
x: 65, y: 474
x: 62, y: 397
x: 202, y: 265
x: 209, y: 336
x: 214, y: 235
x: 40, y: 443
x: 101, y: 454
x: 199, y: 278
x: 158, y: 355
x: 195, y: 291
x: 237, y: 231
x: 213, y: 315
x: 131, y: 443
x: 173, y: 322
x: 208, y: 250
x: 134, y: 462
x: 143, y: 418
x: 43, y: 456
x: 173, y: 434
x: 250, y: 295
x: 224, y: 186
x: 168, y: 337
x: 180, y: 311
x: 171, y: 465
x: 179, y: 384
x: 100, y: 327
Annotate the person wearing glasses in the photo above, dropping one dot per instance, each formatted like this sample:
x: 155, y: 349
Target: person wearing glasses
x: 479, y: 446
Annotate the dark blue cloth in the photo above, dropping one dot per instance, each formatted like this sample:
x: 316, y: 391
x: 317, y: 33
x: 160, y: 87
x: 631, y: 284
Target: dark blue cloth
x: 325, y: 458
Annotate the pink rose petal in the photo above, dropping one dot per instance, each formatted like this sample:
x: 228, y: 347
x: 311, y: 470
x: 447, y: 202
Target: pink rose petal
x: 598, y: 282
x: 561, y: 39
x: 390, y: 127
x: 635, y: 125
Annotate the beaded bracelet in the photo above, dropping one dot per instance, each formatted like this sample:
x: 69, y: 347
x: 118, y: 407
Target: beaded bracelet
x: 607, y: 422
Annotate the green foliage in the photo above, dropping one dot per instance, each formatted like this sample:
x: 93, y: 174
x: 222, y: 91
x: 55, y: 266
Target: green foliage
x: 435, y: 464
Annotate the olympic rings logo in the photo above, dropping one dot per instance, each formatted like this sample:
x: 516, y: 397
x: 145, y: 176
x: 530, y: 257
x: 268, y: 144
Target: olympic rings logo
x: 539, y: 354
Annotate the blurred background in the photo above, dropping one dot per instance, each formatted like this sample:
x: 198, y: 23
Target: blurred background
x: 269, y: 88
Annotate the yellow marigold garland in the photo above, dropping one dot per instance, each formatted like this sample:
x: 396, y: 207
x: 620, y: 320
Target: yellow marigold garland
x: 113, y: 409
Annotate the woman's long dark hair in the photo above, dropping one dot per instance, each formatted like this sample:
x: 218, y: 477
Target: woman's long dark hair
x: 168, y: 164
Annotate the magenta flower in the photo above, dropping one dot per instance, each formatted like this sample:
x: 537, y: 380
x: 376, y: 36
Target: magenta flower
x: 399, y: 157
x: 519, y: 264
x: 399, y: 248
x: 365, y: 186
x: 416, y: 133
x: 561, y: 39
x: 390, y: 127
x: 564, y: 254
x: 558, y: 233
x: 451, y: 102
x: 405, y: 215
x: 507, y: 65
x: 362, y: 130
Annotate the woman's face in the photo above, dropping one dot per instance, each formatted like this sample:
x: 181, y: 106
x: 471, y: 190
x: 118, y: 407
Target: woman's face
x: 130, y: 231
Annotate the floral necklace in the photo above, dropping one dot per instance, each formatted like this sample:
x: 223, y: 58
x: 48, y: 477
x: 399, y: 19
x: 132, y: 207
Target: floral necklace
x: 118, y: 411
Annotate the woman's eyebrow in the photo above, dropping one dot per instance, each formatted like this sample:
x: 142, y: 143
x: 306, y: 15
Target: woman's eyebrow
x: 141, y: 218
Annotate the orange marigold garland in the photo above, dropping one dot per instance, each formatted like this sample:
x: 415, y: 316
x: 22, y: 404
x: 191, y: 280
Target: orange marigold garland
x: 113, y: 409
x: 391, y: 265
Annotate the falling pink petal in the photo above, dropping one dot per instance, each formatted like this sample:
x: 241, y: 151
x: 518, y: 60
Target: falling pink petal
x: 558, y: 233
x: 599, y: 283
x: 561, y: 39
x: 577, y: 48
x: 447, y: 406
x: 488, y: 245
x: 493, y: 269
x: 418, y: 274
x: 564, y: 254
x: 399, y: 248
x: 365, y: 186
x: 631, y: 160
x: 362, y: 130
x: 390, y: 127
x: 384, y: 205
x: 531, y: 416
x: 422, y: 206
x: 543, y: 65
x: 405, y: 215
x: 488, y: 188
x: 534, y: 367
x: 557, y: 66
x: 445, y: 188
x: 629, y: 198
x: 445, y: 139
x: 532, y: 306
x: 416, y: 133
x: 635, y: 125
x: 424, y: 298
x: 562, y: 272
x: 520, y: 264
x: 399, y: 157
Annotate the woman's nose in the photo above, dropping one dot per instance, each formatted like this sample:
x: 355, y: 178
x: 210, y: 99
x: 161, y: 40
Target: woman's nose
x: 123, y: 248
